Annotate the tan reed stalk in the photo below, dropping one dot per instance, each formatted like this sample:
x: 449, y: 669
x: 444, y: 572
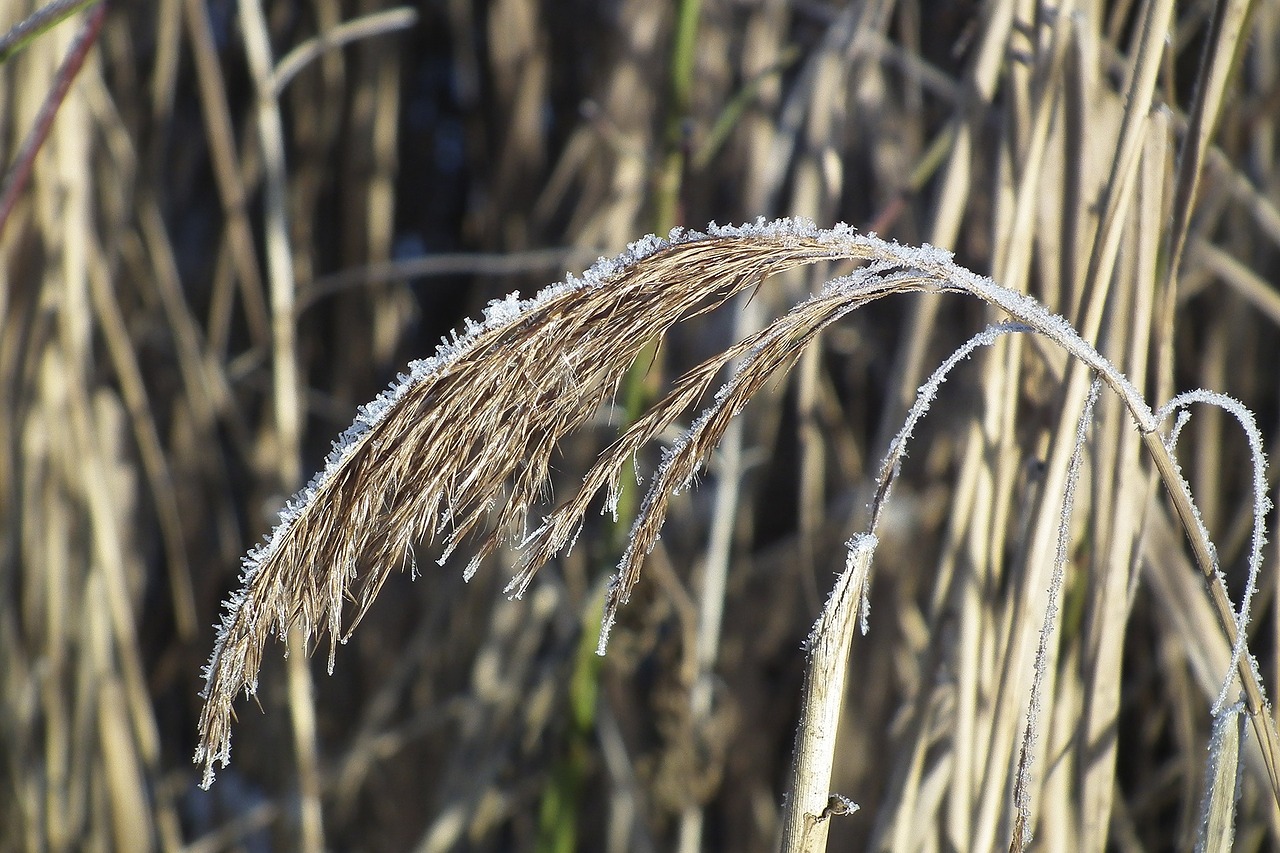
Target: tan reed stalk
x: 228, y: 169
x: 286, y: 387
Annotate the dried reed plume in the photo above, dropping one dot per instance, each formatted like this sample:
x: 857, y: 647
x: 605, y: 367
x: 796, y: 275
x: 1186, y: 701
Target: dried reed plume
x: 462, y: 443
x: 436, y: 451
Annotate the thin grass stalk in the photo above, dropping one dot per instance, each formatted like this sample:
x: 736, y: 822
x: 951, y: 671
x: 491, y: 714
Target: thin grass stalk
x: 40, y: 21
x: 714, y: 581
x: 960, y: 586
x: 1124, y: 164
x: 1261, y: 506
x: 982, y: 731
x: 1256, y: 703
x: 384, y: 92
x: 270, y: 127
x: 558, y: 810
x: 19, y: 172
x: 1223, y: 51
x: 164, y: 78
x: 683, y: 58
x: 442, y: 264
x: 1246, y: 283
x: 1122, y: 503
x: 286, y: 392
x: 111, y: 320
x: 356, y: 29
x: 1022, y: 827
x: 228, y: 171
x: 1222, y: 782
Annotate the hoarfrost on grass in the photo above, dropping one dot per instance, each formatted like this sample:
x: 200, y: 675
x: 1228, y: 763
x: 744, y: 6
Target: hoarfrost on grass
x: 1261, y: 506
x: 502, y: 312
x: 925, y: 396
x: 1022, y: 787
x: 861, y: 548
x: 1223, y: 720
x: 1175, y: 432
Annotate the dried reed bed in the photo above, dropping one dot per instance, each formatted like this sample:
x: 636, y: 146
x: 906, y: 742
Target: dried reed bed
x: 163, y: 398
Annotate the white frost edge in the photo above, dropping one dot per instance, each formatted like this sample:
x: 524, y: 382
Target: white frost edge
x: 1261, y: 506
x: 1022, y: 793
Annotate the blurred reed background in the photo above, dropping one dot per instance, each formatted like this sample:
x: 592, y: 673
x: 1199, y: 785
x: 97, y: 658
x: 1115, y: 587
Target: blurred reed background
x: 214, y: 263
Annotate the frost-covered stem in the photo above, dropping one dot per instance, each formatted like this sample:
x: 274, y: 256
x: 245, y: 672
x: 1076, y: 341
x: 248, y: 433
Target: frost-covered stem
x: 807, y: 810
x: 1026, y: 752
x: 1222, y: 782
x: 1028, y: 311
x: 1255, y: 701
x: 925, y: 396
x: 1261, y: 506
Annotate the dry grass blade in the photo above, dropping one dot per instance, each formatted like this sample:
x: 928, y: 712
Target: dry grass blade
x: 1026, y: 750
x: 35, y: 24
x: 1222, y: 54
x: 563, y: 524
x: 1217, y: 828
x: 360, y: 28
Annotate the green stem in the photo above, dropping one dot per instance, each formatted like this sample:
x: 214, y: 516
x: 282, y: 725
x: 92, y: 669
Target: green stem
x: 37, y: 23
x: 558, y: 812
x: 670, y: 176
